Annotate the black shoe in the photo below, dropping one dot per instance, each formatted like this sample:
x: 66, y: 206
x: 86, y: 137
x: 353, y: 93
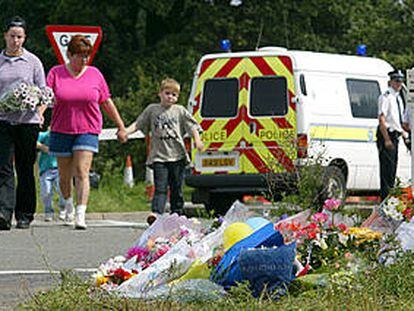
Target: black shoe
x: 4, y: 223
x: 23, y: 224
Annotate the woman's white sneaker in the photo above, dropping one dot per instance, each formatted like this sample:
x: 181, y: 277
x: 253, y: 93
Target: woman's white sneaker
x: 62, y: 214
x: 68, y: 213
x: 80, y: 217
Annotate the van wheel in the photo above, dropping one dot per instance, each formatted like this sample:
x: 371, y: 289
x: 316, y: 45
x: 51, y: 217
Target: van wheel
x: 219, y: 204
x: 334, y: 186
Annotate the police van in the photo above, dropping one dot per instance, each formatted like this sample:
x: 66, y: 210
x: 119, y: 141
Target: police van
x: 273, y: 109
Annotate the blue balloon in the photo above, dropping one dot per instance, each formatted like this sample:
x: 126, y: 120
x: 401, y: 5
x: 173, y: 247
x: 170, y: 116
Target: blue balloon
x: 257, y: 222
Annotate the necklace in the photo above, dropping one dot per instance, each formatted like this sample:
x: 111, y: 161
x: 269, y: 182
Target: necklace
x: 14, y: 54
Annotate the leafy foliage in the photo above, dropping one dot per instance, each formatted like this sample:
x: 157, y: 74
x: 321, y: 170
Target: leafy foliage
x: 144, y: 41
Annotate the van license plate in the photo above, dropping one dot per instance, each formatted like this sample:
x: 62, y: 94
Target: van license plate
x: 218, y: 162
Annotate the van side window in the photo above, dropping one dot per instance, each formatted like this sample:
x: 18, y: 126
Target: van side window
x: 268, y: 96
x: 363, y: 96
x: 302, y: 84
x: 220, y: 98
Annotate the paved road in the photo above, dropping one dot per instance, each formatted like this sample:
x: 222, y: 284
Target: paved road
x: 26, y: 256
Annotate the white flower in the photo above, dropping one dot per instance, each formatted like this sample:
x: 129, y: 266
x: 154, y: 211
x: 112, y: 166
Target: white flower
x: 390, y: 210
x: 17, y: 92
x: 393, y: 201
x: 343, y: 239
x: 119, y: 259
x: 23, y: 86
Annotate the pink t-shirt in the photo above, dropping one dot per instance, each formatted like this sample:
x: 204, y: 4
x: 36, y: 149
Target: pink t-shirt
x: 77, y: 107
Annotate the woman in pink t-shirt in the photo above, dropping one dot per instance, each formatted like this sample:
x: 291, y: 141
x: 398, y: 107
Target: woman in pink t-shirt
x: 80, y: 92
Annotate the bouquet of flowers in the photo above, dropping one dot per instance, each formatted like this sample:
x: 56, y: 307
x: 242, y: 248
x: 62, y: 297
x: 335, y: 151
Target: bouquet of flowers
x: 398, y: 206
x: 324, y: 243
x: 117, y: 270
x: 25, y: 97
x: 113, y: 273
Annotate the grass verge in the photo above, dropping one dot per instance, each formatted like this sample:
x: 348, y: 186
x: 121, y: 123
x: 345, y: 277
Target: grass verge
x: 114, y: 196
x: 375, y: 289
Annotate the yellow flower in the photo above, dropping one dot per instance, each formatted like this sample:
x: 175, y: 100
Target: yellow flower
x: 101, y: 279
x: 150, y: 244
x: 364, y: 234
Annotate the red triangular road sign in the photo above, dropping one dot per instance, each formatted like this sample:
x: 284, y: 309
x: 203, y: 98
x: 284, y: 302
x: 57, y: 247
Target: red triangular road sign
x: 59, y: 36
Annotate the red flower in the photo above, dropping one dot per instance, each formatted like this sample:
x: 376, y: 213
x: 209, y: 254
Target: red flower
x: 408, y: 193
x: 342, y: 227
x: 215, y: 260
x: 120, y: 275
x: 311, y: 235
x: 312, y: 226
x: 408, y: 213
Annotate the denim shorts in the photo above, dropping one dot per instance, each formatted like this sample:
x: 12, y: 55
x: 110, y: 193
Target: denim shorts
x: 63, y: 145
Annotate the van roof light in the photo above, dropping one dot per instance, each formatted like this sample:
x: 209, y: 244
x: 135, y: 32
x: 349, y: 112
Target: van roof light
x: 361, y: 50
x: 225, y: 45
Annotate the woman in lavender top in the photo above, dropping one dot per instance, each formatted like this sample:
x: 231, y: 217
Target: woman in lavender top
x: 18, y: 130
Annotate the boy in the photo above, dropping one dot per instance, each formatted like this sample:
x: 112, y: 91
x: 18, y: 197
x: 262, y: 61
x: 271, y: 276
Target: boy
x: 167, y: 123
x: 49, y: 178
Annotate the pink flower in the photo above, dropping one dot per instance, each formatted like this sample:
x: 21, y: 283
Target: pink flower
x: 349, y: 256
x: 320, y: 217
x: 331, y: 204
x: 140, y: 252
x: 184, y: 232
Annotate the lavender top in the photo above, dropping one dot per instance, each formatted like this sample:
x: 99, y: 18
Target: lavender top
x: 13, y: 70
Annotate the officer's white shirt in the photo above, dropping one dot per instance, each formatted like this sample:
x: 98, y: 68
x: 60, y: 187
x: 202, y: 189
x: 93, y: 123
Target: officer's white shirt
x: 387, y: 105
x: 406, y: 117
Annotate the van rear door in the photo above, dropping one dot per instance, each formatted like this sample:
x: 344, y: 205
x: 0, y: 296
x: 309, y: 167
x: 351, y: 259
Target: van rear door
x: 271, y: 115
x: 216, y: 107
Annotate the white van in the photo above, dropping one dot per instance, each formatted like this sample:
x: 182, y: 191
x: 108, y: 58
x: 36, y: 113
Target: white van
x: 276, y: 104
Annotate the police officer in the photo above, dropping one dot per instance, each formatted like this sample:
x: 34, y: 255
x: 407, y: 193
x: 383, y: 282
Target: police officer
x: 390, y: 115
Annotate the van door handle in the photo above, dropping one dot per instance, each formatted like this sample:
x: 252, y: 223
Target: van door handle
x: 253, y: 127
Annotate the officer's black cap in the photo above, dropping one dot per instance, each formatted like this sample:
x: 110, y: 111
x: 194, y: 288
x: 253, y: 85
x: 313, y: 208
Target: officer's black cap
x: 396, y: 75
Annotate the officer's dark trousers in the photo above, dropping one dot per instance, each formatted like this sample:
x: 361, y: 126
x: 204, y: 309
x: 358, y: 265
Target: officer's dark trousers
x: 388, y: 162
x: 19, y: 140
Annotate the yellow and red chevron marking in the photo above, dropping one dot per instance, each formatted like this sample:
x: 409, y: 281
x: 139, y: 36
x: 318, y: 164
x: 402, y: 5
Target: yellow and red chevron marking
x: 244, y: 69
x: 256, y: 158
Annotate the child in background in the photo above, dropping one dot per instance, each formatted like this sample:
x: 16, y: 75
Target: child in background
x: 167, y: 123
x: 49, y: 178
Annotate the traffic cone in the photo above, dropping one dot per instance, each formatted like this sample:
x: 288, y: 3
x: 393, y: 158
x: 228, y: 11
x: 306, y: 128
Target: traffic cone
x: 128, y: 173
x: 149, y: 183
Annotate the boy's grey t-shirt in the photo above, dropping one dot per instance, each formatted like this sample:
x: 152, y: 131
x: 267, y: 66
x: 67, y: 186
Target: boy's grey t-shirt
x: 167, y: 127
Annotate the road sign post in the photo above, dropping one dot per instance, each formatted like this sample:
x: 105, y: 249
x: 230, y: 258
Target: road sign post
x: 60, y: 35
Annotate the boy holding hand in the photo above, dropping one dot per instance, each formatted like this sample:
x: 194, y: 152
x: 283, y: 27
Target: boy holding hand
x: 167, y: 123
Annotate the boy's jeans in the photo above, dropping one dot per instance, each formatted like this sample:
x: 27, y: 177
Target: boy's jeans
x: 168, y: 174
x: 49, y: 180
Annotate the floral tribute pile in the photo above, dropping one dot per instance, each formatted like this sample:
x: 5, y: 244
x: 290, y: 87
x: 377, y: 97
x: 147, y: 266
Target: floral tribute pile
x: 138, y: 258
x: 327, y: 243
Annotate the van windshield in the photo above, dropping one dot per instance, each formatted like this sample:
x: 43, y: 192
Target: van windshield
x: 268, y: 96
x: 220, y: 98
